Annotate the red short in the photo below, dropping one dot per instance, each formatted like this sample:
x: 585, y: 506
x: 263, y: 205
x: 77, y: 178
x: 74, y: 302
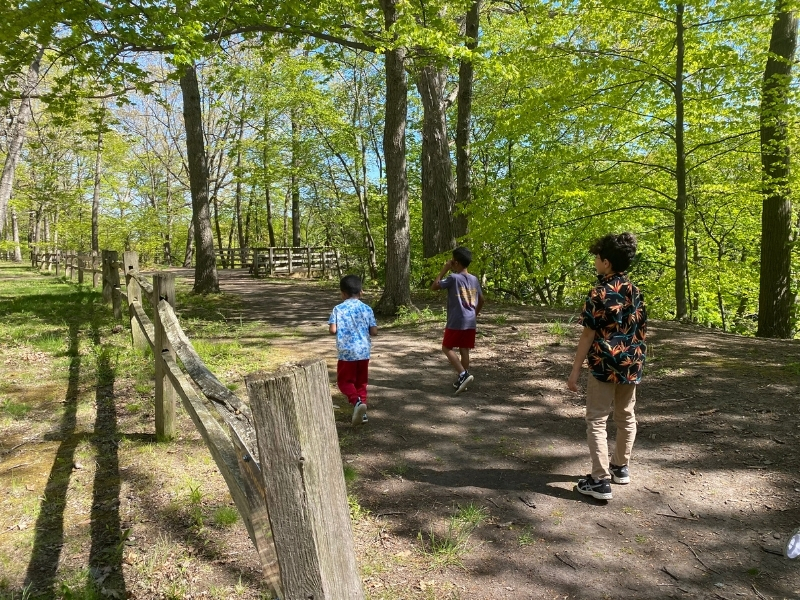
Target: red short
x: 459, y: 338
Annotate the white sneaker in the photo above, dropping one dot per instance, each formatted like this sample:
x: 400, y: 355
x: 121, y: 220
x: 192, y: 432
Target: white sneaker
x: 359, y: 413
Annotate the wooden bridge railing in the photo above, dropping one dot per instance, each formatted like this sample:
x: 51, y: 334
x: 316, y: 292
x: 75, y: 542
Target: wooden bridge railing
x: 279, y: 454
x: 306, y: 260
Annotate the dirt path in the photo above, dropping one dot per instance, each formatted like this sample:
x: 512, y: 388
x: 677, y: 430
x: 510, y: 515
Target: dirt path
x: 86, y: 495
x: 715, y: 474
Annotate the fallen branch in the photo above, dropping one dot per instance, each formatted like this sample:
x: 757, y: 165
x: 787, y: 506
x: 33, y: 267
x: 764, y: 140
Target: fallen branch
x: 569, y: 564
x: 759, y: 594
x: 771, y: 551
x: 393, y: 512
x: 16, y: 467
x: 698, y: 558
x: 678, y: 517
x: 666, y: 570
x: 651, y: 491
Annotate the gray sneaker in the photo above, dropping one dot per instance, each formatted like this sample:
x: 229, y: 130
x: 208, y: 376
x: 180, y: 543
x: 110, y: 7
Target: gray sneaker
x: 620, y: 474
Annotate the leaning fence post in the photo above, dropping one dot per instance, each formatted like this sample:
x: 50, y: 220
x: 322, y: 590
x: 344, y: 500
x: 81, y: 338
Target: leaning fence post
x: 304, y: 484
x: 163, y: 289
x: 130, y: 262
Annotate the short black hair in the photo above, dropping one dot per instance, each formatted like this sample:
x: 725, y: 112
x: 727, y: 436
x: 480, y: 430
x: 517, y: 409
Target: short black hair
x: 618, y: 249
x: 350, y: 285
x: 463, y: 256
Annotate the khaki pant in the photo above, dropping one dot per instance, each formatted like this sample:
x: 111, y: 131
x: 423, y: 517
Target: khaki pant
x: 601, y: 399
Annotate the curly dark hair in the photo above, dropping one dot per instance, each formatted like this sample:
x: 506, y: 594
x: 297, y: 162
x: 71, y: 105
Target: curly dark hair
x: 618, y: 249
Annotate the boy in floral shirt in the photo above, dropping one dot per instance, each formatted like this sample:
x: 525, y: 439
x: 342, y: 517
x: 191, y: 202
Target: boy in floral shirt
x: 614, y: 322
x: 353, y: 322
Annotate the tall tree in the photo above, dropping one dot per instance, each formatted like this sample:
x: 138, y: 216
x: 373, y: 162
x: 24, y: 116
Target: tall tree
x: 776, y: 296
x: 206, y: 279
x: 397, y: 290
x: 18, y: 131
x: 466, y: 75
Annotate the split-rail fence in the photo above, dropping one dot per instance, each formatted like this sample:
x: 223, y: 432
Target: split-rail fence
x: 278, y: 453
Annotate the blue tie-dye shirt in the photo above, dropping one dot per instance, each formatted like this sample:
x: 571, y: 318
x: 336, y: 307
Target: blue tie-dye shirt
x: 353, y: 319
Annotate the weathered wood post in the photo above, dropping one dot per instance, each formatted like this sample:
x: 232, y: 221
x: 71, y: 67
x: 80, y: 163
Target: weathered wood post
x: 113, y: 283
x: 54, y: 257
x: 163, y: 289
x: 304, y: 482
x: 130, y: 263
x: 81, y: 265
x: 271, y: 261
x: 95, y: 274
x: 289, y: 261
x: 308, y: 256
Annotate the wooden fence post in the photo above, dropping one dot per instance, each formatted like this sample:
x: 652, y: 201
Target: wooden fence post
x: 163, y: 289
x: 308, y: 256
x: 56, y: 256
x: 81, y: 266
x: 95, y: 274
x: 130, y: 262
x: 304, y: 484
x: 271, y: 261
x: 289, y: 254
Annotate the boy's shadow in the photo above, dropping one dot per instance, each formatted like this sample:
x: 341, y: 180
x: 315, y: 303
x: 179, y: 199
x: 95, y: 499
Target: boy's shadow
x: 508, y: 480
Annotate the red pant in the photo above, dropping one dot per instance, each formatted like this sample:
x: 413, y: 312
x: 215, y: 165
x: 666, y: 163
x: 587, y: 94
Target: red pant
x: 351, y: 377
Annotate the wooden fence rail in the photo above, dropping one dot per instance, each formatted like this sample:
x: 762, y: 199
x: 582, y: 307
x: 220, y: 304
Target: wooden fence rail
x: 321, y: 261
x: 280, y: 459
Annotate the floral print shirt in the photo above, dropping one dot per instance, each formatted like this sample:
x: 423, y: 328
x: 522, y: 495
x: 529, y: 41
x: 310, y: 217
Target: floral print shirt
x: 353, y: 319
x: 616, y: 312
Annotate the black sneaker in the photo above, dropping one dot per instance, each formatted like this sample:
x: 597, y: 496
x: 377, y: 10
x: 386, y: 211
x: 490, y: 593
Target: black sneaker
x: 620, y: 474
x: 359, y: 413
x: 463, y: 381
x: 597, y: 489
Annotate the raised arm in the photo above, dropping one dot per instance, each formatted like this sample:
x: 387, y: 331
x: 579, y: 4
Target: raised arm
x: 445, y: 268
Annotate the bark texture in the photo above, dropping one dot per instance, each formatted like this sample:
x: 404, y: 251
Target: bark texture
x: 397, y: 291
x: 438, y: 186
x: 206, y: 279
x: 17, y: 138
x: 775, y: 297
x: 466, y: 79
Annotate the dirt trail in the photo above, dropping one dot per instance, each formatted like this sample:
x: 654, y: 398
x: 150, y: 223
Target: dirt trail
x: 715, y: 473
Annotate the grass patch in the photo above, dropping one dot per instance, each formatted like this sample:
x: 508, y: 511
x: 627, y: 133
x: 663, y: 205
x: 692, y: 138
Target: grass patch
x: 14, y: 410
x: 412, y: 316
x: 225, y: 516
x: 448, y: 549
x: 557, y: 328
x: 500, y: 319
x: 350, y: 474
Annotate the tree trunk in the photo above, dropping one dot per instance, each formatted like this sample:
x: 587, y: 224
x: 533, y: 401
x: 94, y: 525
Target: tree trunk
x: 296, y: 242
x: 438, y: 187
x: 17, y: 136
x: 681, y: 259
x: 96, y: 190
x: 189, y: 254
x: 15, y: 236
x: 397, y: 291
x: 205, y: 271
x: 464, y: 125
x: 238, y: 215
x: 775, y: 296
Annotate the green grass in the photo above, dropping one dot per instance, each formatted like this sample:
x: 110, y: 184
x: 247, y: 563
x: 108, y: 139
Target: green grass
x: 225, y: 516
x: 500, y: 319
x: 14, y: 410
x: 350, y: 474
x: 448, y: 549
x: 558, y: 328
x: 411, y: 316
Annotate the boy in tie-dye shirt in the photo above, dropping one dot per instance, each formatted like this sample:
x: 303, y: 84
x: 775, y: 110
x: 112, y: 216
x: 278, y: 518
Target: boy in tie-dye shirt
x: 353, y: 322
